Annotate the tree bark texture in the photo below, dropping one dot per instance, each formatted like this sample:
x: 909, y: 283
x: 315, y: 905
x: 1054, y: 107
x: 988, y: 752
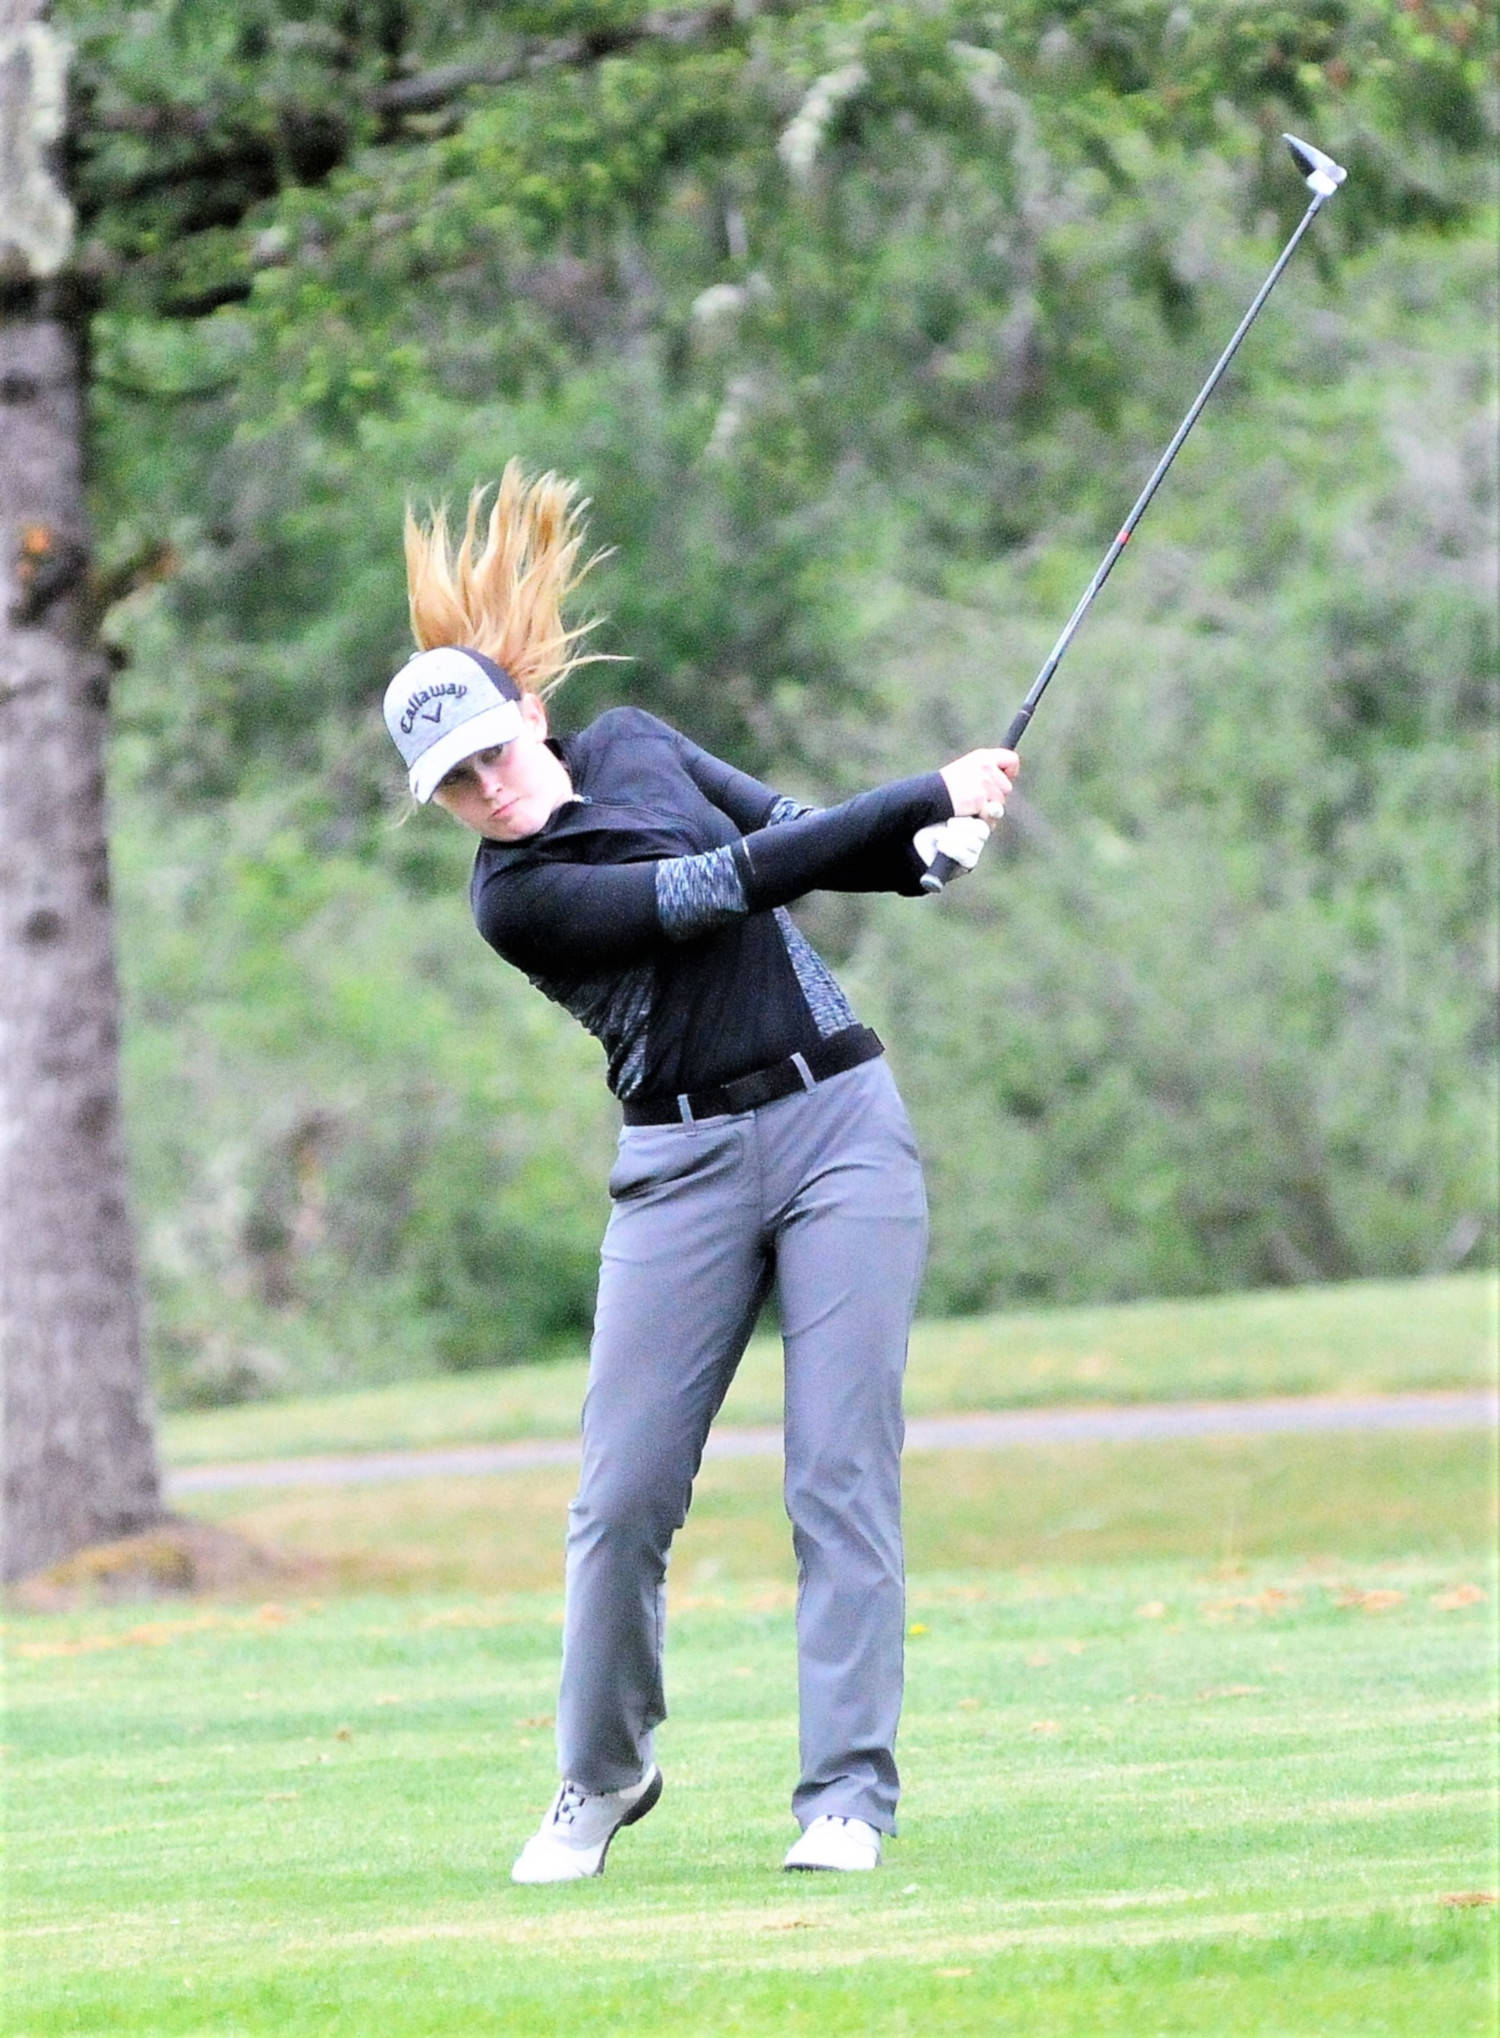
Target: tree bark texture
x: 79, y: 1449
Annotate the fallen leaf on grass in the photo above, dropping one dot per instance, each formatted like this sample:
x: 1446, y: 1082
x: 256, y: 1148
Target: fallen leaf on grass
x: 152, y: 1635
x: 969, y: 1704
x: 1466, y: 1899
x: 1046, y: 1727
x: 82, y: 1647
x: 1271, y: 1600
x: 1381, y: 1600
x: 1461, y: 1595
x: 537, y: 1719
x: 1231, y: 1691
x: 343, y: 1733
x: 789, y: 1925
x: 1153, y: 1609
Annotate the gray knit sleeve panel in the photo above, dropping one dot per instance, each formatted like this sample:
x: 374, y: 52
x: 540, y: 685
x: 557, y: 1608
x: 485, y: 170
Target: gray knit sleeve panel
x: 616, y: 1009
x: 830, y: 1009
x: 695, y: 894
x: 787, y: 810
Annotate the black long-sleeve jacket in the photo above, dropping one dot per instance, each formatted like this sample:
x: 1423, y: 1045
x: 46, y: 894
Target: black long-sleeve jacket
x: 651, y: 905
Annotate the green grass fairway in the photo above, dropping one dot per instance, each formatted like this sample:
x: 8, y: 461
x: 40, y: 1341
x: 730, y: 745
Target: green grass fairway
x: 1220, y: 1501
x: 1361, y: 1337
x: 1138, y: 1801
x: 1198, y: 1740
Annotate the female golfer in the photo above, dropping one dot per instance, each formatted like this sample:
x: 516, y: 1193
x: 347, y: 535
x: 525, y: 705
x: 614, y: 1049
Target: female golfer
x: 642, y: 884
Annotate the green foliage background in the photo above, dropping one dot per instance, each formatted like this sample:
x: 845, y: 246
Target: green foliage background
x: 862, y: 325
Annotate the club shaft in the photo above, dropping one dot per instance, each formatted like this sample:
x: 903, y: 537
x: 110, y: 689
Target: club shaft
x: 943, y: 868
x: 1107, y: 563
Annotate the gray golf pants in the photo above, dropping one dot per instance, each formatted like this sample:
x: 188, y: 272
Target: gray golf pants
x: 822, y: 1193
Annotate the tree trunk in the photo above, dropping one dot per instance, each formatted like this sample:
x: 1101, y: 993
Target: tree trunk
x: 79, y: 1449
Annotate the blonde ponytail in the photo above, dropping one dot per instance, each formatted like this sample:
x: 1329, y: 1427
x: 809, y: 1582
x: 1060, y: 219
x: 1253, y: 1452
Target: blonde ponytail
x: 502, y: 591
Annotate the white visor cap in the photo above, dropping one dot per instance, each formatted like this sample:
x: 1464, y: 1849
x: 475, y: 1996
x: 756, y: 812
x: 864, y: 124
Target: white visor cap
x: 443, y: 706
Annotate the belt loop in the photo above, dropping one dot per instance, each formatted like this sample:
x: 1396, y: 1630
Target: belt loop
x: 799, y: 1063
x: 685, y: 1106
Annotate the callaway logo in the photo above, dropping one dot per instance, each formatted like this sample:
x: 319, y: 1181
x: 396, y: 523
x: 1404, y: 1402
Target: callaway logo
x: 418, y: 703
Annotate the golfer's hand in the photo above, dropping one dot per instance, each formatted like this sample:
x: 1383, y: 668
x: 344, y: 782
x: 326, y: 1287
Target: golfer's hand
x: 981, y: 782
x: 960, y: 839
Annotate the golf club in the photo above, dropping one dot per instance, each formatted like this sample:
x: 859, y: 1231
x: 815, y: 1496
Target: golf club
x: 1323, y: 177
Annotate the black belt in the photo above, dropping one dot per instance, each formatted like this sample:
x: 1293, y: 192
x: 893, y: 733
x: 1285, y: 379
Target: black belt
x: 829, y: 1057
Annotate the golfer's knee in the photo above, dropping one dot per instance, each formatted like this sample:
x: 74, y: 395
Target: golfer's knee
x: 857, y: 1517
x: 628, y: 1510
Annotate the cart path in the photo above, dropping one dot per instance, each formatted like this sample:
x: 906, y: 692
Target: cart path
x: 1463, y: 1408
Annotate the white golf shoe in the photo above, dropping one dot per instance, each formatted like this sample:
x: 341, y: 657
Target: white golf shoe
x: 574, y: 1837
x: 832, y: 1842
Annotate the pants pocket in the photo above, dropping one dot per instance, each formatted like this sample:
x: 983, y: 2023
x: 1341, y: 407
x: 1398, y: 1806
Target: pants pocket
x: 655, y: 1157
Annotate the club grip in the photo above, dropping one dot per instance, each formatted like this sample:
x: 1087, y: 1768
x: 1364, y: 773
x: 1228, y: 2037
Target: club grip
x: 943, y: 869
x: 939, y: 871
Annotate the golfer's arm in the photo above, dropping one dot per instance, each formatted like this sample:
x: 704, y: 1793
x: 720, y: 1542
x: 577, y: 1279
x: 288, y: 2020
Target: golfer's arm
x: 864, y: 845
x: 588, y: 917
x: 572, y: 916
x: 746, y: 801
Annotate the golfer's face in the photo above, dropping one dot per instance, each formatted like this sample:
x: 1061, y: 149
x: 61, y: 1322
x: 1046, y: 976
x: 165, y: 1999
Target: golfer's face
x: 509, y: 792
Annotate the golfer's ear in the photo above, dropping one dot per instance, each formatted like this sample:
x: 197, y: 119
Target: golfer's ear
x: 534, y: 713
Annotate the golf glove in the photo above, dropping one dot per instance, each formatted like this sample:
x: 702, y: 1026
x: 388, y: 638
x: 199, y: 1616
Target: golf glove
x: 962, y: 838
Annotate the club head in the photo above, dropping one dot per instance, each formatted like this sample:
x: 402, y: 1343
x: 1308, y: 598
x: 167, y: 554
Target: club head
x: 1321, y: 173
